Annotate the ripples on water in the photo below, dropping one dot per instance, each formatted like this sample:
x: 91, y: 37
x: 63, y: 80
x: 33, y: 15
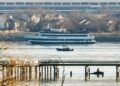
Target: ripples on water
x: 99, y: 51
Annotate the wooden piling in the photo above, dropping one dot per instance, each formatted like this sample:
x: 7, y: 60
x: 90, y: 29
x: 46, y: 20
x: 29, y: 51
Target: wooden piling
x: 17, y: 73
x: 35, y: 72
x: 58, y: 73
x: 117, y: 73
x: 89, y: 72
x: 10, y: 71
x: 42, y: 73
x: 15, y: 76
x: 3, y: 74
x: 39, y: 73
x: 29, y: 73
x: 70, y: 73
x: 20, y: 73
x: 86, y: 73
x: 50, y: 73
x: 54, y: 73
x: 47, y: 73
x: 26, y: 73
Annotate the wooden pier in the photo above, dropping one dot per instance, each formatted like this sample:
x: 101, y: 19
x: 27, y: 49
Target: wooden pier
x: 46, y: 71
x: 86, y: 64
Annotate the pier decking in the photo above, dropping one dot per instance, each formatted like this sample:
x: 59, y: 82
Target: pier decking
x: 79, y: 63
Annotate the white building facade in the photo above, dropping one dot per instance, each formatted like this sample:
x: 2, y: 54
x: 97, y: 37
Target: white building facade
x: 58, y: 5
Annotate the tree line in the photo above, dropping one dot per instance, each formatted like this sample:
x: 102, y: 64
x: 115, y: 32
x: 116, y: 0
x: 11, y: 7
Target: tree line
x: 72, y: 21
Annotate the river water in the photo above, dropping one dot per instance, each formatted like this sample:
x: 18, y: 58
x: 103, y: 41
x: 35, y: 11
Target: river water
x: 96, y: 52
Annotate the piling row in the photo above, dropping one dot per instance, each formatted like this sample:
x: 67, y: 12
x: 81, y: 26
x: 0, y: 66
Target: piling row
x: 23, y: 73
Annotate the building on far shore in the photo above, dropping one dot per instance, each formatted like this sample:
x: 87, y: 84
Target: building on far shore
x: 3, y: 19
x: 59, y: 5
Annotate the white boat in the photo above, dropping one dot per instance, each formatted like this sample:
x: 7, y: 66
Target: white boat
x: 61, y: 38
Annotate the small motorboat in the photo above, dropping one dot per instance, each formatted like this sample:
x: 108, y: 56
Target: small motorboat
x: 98, y: 72
x: 64, y: 49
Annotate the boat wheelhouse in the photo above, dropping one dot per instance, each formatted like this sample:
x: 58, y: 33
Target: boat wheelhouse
x: 61, y: 38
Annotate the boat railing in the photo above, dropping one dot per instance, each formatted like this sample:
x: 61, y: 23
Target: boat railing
x: 61, y: 34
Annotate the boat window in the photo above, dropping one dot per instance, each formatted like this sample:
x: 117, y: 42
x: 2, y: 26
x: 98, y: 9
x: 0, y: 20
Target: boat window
x: 75, y: 3
x: 112, y: 3
x: 84, y: 3
x: 47, y: 3
x: 118, y: 3
x: 66, y: 3
x: 38, y: 3
x: 93, y: 3
x: 29, y: 3
x: 19, y: 3
x: 103, y: 3
x: 57, y: 3
x: 10, y: 3
x: 2, y: 3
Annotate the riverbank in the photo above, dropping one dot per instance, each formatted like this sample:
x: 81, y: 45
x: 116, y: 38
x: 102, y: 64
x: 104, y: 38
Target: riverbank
x: 107, y: 37
x: 19, y: 36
